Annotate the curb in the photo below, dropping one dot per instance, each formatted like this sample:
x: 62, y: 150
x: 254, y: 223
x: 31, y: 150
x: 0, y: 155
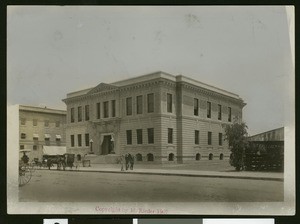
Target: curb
x: 179, y: 174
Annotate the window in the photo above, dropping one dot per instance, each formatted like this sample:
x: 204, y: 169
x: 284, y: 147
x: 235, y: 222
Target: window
x: 23, y: 121
x: 196, y: 137
x: 129, y: 106
x: 113, y: 108
x: 150, y: 102
x: 105, y: 108
x: 150, y: 157
x: 72, y: 141
x: 98, y: 110
x: 220, y: 139
x: 171, y: 157
x: 58, y: 142
x: 170, y: 135
x: 211, y: 156
x: 198, y: 156
x: 139, y: 104
x: 221, y: 156
x: 87, y: 112
x: 129, y: 137
x: 139, y: 157
x: 34, y: 122
x: 87, y: 139
x: 34, y: 147
x: 208, y: 109
x: 229, y: 114
x: 209, y: 138
x: 79, y: 114
x: 22, y: 147
x: 72, y: 115
x: 46, y: 123
x: 23, y: 135
x: 139, y: 136
x: 219, y: 112
x: 57, y: 124
x: 79, y: 140
x: 47, y: 139
x: 169, y: 103
x: 196, y: 107
x: 35, y: 137
x: 150, y: 135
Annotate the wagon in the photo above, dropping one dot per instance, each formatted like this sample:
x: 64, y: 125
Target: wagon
x: 57, y: 155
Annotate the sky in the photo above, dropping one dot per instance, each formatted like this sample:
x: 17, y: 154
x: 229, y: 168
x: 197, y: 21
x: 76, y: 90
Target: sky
x: 54, y: 50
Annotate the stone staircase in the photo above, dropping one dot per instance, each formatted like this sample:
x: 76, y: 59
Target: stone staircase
x: 102, y: 159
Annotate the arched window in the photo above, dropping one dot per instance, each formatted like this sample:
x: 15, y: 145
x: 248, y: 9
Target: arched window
x: 221, y: 156
x: 139, y: 157
x: 171, y: 157
x: 78, y: 157
x: 198, y: 156
x: 150, y: 157
x: 211, y: 156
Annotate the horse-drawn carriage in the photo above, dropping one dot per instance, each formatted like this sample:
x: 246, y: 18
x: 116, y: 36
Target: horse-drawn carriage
x: 57, y: 156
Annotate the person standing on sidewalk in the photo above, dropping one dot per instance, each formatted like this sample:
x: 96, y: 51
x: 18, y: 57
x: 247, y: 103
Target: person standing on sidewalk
x: 126, y: 160
x: 122, y: 162
x: 131, y: 161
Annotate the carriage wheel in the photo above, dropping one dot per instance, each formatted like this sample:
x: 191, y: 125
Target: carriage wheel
x: 24, y: 175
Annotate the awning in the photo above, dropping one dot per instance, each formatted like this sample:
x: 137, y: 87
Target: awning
x: 25, y: 150
x: 58, y: 136
x: 35, y: 135
x: 47, y: 136
x: 54, y: 150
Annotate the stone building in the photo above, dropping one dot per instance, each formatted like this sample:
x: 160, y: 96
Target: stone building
x: 157, y: 117
x: 41, y: 126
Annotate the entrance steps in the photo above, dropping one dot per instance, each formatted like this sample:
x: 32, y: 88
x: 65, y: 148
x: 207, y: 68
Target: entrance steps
x: 102, y: 159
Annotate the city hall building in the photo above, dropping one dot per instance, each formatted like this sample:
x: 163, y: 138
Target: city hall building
x: 156, y: 117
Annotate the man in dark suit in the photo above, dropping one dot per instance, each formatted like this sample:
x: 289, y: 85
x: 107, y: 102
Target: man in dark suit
x: 131, y: 161
x: 127, y: 160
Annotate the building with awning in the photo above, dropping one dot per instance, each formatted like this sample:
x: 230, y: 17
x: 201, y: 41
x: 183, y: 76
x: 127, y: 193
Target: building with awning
x: 41, y: 127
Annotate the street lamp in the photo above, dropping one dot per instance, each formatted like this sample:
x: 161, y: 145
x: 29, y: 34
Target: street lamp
x: 91, y: 144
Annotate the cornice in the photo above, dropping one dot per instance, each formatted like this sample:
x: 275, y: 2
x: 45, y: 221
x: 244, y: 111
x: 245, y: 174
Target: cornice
x: 211, y: 93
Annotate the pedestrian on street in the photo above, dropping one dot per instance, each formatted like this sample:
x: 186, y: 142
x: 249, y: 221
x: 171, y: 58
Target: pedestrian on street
x: 122, y: 162
x: 126, y: 160
x: 131, y: 161
x: 78, y: 161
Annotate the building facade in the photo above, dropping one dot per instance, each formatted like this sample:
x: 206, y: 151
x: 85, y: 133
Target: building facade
x: 157, y: 117
x: 272, y: 135
x: 41, y: 126
x: 266, y: 151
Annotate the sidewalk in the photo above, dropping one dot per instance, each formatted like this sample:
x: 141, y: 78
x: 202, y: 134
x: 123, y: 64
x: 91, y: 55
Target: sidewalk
x: 115, y: 168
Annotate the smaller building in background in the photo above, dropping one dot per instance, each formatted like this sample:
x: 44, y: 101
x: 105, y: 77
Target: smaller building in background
x: 273, y: 135
x: 266, y: 151
x: 40, y: 127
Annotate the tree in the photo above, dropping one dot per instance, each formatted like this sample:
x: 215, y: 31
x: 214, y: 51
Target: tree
x: 236, y: 135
